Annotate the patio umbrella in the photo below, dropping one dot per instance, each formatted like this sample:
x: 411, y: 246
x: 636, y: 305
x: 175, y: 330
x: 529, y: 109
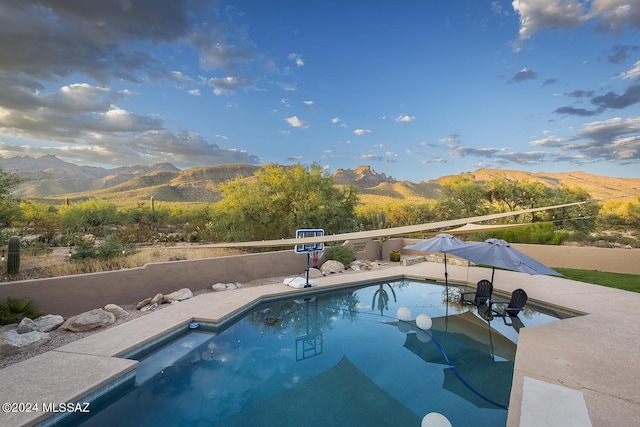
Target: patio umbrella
x: 439, y: 243
x: 498, y: 253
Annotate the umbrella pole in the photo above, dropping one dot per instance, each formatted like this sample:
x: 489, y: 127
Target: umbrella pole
x: 446, y: 279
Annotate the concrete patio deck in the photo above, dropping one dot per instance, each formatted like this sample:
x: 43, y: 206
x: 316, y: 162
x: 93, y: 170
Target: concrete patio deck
x: 575, y: 372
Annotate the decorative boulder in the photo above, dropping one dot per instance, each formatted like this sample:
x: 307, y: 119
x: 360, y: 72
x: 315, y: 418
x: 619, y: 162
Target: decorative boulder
x: 116, y: 310
x: 157, y: 299
x: 358, y: 265
x: 219, y: 287
x: 49, y: 322
x: 225, y: 286
x: 6, y: 328
x: 143, y: 303
x: 89, y: 320
x: 179, y: 295
x: 332, y: 266
x: 314, y: 273
x: 149, y: 307
x: 26, y: 325
x: 12, y: 342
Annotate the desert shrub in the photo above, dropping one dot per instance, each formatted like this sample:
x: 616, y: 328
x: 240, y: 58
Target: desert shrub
x: 37, y: 247
x: 83, y: 249
x: 542, y: 234
x: 341, y: 253
x: 111, y: 247
x: 13, y: 310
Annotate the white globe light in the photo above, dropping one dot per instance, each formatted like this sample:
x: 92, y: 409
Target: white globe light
x: 424, y: 322
x: 404, y: 313
x: 434, y: 419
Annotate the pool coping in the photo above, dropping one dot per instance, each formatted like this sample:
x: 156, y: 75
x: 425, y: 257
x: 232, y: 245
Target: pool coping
x: 575, y: 360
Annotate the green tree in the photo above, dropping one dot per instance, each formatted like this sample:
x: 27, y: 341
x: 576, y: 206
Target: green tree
x: 463, y: 194
x: 40, y: 218
x: 279, y: 200
x: 90, y: 216
x: 580, y: 219
x: 515, y: 194
x: 9, y: 208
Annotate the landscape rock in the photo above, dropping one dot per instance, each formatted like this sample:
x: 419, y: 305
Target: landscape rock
x: 26, y: 325
x: 225, y: 286
x: 179, y: 295
x: 314, y: 273
x: 117, y: 311
x: 6, y: 328
x: 12, y: 342
x: 149, y: 307
x: 48, y: 322
x: 143, y: 303
x: 219, y: 287
x: 332, y: 266
x: 89, y: 320
x: 157, y: 299
x: 359, y: 265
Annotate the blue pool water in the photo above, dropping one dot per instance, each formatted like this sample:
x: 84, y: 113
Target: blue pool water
x: 333, y: 359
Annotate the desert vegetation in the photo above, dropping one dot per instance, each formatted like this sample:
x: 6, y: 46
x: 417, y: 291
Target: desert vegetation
x: 98, y: 235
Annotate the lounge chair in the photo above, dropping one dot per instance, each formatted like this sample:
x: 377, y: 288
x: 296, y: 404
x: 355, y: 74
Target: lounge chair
x: 511, y: 308
x: 482, y: 294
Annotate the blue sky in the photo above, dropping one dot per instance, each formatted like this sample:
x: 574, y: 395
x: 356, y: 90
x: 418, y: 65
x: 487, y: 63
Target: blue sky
x: 415, y: 89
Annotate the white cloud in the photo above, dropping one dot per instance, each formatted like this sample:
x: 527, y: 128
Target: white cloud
x: 295, y: 122
x: 336, y: 120
x: 194, y: 92
x: 551, y: 141
x: 297, y: 58
x: 541, y: 15
x: 405, y: 118
x: 308, y: 102
x: 633, y: 73
x: 361, y: 132
x: 227, y: 85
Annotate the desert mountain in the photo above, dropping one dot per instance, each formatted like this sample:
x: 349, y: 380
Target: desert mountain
x: 50, y: 179
x: 598, y: 186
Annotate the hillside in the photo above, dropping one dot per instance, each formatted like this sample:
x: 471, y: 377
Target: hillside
x: 51, y: 180
x: 599, y: 187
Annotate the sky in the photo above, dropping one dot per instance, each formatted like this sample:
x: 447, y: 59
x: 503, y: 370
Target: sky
x: 414, y: 89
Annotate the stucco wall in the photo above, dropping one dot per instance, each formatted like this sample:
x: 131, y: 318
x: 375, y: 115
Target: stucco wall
x: 612, y: 260
x: 71, y: 295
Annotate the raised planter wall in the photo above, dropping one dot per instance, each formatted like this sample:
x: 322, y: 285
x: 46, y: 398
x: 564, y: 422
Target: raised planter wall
x: 613, y: 260
x: 71, y: 295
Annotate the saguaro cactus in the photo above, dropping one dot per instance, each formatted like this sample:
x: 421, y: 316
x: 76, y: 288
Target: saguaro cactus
x: 152, y: 205
x: 13, y: 258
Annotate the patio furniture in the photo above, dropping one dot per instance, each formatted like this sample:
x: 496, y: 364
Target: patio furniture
x: 482, y: 294
x: 511, y: 308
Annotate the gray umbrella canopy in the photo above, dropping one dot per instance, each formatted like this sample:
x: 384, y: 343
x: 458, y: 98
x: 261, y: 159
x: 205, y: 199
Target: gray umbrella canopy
x: 498, y: 253
x: 437, y: 244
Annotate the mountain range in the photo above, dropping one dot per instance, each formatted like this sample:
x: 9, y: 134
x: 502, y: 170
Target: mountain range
x: 51, y: 179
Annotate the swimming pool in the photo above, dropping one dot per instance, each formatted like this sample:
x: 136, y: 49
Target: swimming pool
x: 338, y: 358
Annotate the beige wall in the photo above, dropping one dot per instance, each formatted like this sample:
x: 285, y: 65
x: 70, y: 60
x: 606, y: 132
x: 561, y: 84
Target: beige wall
x: 71, y: 295
x: 612, y: 260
